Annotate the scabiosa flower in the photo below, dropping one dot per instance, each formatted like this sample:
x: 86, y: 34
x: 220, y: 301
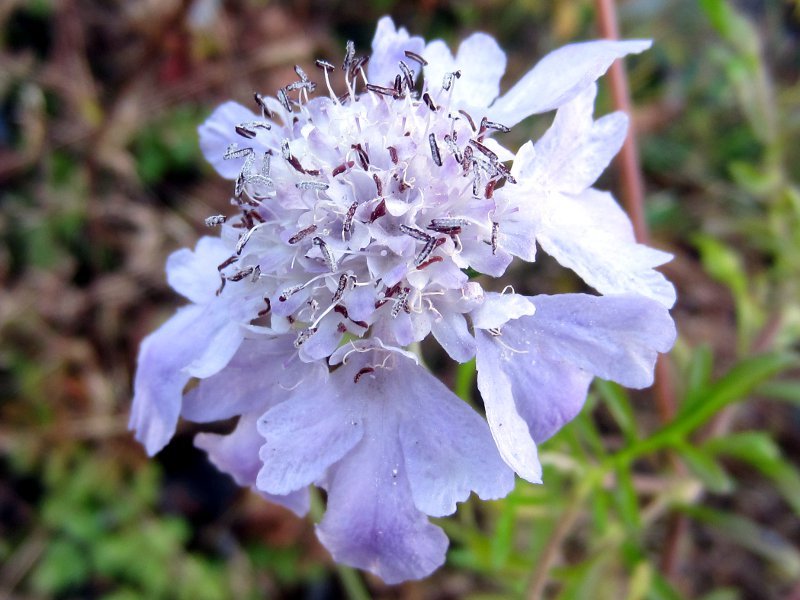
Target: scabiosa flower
x: 359, y: 214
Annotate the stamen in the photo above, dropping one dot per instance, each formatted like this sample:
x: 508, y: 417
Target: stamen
x: 233, y: 151
x: 362, y: 372
x: 342, y: 168
x: 246, y: 237
x: 284, y: 100
x: 393, y: 154
x: 429, y: 246
x: 384, y: 91
x: 239, y: 275
x: 401, y: 303
x: 429, y: 262
x: 264, y: 311
x: 468, y: 117
x: 304, y: 336
x: 363, y: 157
x: 215, y: 220
x: 453, y: 147
x: 350, y: 52
x: 408, y: 75
x: 488, y: 153
x: 266, y: 113
x: 302, y: 234
x: 247, y: 129
x: 495, y: 231
x: 324, y: 65
x: 311, y: 185
x: 343, y: 279
x: 489, y: 192
x: 437, y: 158
x: 348, y: 219
x: 327, y: 255
x: 448, y: 80
x: 487, y: 124
x: 429, y: 101
x: 416, y: 57
x: 416, y: 233
x: 378, y: 212
x: 378, y: 184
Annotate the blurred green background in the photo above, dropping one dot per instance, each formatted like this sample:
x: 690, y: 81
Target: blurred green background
x: 101, y: 178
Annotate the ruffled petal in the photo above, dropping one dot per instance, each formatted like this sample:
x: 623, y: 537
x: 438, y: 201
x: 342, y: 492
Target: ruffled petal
x: 613, y: 337
x: 559, y: 77
x: 314, y: 428
x: 447, y: 446
x: 193, y: 274
x: 388, y: 49
x: 237, y: 455
x: 509, y: 430
x: 571, y: 229
x: 516, y: 371
x: 216, y: 133
x: 576, y: 149
x: 260, y: 375
x: 497, y: 309
x: 371, y: 521
x: 482, y: 64
x: 453, y: 335
x: 160, y: 377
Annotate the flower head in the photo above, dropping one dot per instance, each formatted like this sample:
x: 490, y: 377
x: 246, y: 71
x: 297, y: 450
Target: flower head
x: 359, y: 213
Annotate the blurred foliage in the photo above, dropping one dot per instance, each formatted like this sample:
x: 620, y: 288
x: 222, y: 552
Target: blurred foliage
x: 101, y: 177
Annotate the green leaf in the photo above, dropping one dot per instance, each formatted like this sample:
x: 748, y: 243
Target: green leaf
x: 627, y: 500
x: 710, y: 473
x: 616, y: 400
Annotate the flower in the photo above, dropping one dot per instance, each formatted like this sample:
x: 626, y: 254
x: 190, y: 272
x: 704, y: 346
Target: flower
x: 359, y: 217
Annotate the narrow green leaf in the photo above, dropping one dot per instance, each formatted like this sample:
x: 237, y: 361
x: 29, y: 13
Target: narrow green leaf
x: 616, y: 400
x: 627, y: 500
x: 710, y: 473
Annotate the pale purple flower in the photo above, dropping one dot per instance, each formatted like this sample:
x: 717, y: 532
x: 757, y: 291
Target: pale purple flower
x: 359, y: 211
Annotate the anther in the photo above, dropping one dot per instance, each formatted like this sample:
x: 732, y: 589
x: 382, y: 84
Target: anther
x: 342, y: 168
x: 233, y: 151
x: 451, y: 144
x: 489, y: 192
x: 495, y: 231
x: 448, y: 79
x: 324, y: 65
x: 302, y: 234
x: 350, y: 52
x: 384, y: 91
x: 488, y: 153
x: 408, y: 75
x: 437, y: 158
x: 487, y: 124
x: 327, y: 255
x: 311, y: 185
x: 248, y: 129
x: 284, y: 100
x: 393, y: 154
x: 401, y: 303
x: 362, y: 372
x: 378, y: 212
x: 215, y: 220
x: 363, y: 157
x: 266, y: 113
x: 264, y: 311
x: 304, y: 336
x: 348, y: 218
x: 429, y: 262
x: 468, y: 118
x: 416, y: 57
x: 378, y: 184
x: 337, y: 295
x: 417, y: 234
x: 429, y: 101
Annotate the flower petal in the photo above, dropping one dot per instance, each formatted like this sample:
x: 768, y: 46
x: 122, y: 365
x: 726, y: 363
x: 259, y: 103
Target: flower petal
x: 388, y: 49
x: 447, y: 446
x: 509, y: 430
x: 216, y: 133
x: 371, y: 521
x: 160, y: 378
x: 559, y: 77
x: 453, y: 335
x: 576, y: 149
x: 260, y: 375
x: 237, y: 455
x: 314, y: 428
x: 482, y: 64
x: 497, y: 309
x: 571, y: 229
x: 545, y: 391
x: 613, y: 337
x: 193, y: 274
